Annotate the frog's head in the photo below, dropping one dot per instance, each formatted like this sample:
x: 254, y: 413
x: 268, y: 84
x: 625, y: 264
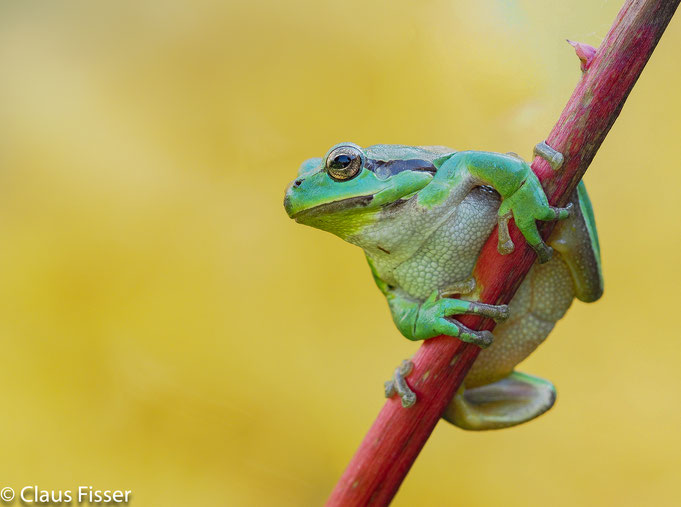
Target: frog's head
x: 346, y: 189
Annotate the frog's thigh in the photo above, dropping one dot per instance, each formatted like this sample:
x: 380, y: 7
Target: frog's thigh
x: 542, y: 299
x: 495, y: 396
x: 512, y: 400
x: 576, y: 240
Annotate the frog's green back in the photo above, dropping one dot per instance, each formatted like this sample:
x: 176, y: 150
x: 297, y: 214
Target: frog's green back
x: 403, y: 152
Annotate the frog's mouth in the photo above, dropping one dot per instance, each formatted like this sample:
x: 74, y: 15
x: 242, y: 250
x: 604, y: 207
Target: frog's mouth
x: 361, y: 201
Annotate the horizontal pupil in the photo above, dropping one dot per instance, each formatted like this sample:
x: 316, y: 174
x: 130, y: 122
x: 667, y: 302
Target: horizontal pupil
x: 341, y: 162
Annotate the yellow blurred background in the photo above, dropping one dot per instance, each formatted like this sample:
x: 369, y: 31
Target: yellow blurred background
x: 165, y: 328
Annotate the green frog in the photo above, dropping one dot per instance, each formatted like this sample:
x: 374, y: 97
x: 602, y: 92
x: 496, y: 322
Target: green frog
x: 422, y: 214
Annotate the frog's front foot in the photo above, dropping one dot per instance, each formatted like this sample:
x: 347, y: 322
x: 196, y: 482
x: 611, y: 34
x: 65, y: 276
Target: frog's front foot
x: 527, y: 205
x: 434, y: 318
x: 505, y: 245
x: 482, y: 339
x: 399, y: 385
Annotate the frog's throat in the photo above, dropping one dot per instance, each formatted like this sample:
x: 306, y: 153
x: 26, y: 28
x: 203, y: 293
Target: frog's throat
x: 361, y: 201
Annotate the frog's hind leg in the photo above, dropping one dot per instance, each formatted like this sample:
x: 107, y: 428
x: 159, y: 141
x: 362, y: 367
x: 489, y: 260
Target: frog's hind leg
x: 495, y: 395
x: 514, y: 399
x: 576, y: 240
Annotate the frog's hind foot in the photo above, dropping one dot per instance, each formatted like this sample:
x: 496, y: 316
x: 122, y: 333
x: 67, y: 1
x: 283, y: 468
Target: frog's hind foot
x: 399, y: 386
x: 512, y: 400
x: 553, y: 157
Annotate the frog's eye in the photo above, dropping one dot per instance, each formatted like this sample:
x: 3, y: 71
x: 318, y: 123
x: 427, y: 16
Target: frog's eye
x: 344, y: 163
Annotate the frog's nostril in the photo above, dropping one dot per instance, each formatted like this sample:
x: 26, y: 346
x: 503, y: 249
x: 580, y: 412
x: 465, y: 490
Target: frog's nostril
x: 297, y: 183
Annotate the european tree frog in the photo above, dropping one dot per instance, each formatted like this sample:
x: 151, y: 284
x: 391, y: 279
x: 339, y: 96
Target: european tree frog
x: 421, y: 215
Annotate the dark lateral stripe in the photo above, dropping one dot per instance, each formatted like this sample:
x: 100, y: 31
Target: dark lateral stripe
x: 397, y: 166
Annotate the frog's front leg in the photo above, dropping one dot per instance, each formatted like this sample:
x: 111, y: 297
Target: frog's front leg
x: 430, y: 318
x: 420, y: 321
x: 522, y: 194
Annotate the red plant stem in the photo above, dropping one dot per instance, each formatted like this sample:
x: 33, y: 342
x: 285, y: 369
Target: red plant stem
x: 387, y: 452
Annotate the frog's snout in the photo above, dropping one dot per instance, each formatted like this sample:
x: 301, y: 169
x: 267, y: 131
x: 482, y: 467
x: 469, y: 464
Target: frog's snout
x: 287, y: 203
x: 289, y: 190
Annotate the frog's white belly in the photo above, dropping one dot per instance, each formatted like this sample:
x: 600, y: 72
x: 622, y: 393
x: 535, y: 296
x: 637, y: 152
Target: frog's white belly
x: 449, y: 255
x: 450, y: 252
